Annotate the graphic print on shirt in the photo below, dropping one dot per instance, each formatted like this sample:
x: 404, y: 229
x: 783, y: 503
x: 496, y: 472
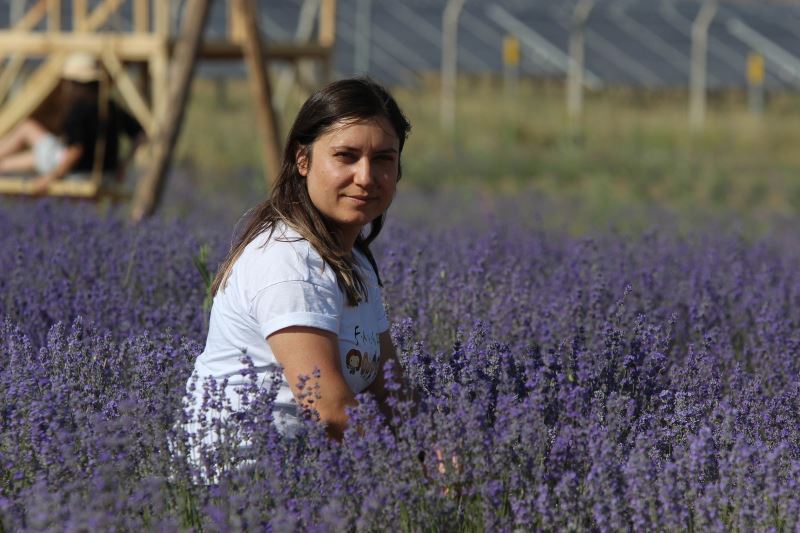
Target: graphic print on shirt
x: 364, y: 357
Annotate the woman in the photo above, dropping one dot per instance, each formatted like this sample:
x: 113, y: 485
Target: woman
x: 91, y: 129
x: 300, y: 289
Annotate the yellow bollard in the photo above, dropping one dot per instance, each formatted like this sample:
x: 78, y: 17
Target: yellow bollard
x: 755, y: 83
x: 511, y: 60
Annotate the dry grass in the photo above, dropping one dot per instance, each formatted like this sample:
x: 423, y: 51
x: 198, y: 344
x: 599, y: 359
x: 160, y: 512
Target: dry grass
x: 632, y: 148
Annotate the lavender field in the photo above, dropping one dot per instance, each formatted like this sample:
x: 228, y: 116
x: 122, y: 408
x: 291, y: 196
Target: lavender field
x: 634, y: 381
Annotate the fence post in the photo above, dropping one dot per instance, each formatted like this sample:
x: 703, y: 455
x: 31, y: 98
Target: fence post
x: 577, y: 56
x: 697, y: 73
x: 301, y: 70
x: 363, y: 36
x: 452, y: 12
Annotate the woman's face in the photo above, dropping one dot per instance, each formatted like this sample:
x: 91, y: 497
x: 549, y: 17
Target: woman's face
x: 352, y: 174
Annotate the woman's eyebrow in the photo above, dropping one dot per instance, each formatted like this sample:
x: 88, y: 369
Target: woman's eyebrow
x: 345, y: 147
x: 390, y: 150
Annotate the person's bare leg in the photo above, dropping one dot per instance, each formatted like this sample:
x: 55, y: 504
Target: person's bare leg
x: 27, y: 133
x: 20, y: 162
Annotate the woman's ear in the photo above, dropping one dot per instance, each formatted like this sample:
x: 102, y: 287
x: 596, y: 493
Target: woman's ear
x: 301, y: 160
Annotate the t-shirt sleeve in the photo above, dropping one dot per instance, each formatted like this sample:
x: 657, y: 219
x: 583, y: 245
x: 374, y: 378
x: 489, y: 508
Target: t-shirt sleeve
x: 296, y: 303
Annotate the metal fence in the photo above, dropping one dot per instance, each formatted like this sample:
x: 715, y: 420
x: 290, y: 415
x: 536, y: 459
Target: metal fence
x: 643, y: 43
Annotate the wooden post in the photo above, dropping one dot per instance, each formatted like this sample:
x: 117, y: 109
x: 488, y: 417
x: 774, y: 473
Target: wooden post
x: 327, y: 35
x: 148, y: 191
x: 79, y: 10
x: 159, y: 82
x: 327, y: 22
x: 53, y: 15
x: 262, y: 91
x: 235, y: 29
x: 141, y: 16
x: 162, y: 17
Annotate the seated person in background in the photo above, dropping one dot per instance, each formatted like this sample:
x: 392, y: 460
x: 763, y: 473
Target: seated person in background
x: 91, y: 129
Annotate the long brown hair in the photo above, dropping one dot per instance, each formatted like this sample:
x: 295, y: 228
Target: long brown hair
x: 346, y: 100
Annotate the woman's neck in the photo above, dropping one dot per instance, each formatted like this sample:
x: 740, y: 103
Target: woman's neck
x: 347, y: 238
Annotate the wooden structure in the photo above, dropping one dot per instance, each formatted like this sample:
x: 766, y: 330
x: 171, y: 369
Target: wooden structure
x: 150, y: 65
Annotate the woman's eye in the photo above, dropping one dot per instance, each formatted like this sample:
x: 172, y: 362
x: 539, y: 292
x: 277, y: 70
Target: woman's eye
x: 347, y: 156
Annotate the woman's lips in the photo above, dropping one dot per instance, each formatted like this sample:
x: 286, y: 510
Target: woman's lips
x: 360, y: 199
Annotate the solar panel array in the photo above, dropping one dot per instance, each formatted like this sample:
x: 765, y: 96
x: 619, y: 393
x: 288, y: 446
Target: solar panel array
x: 642, y: 43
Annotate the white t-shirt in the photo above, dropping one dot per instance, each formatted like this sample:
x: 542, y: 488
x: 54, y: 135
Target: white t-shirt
x: 280, y: 282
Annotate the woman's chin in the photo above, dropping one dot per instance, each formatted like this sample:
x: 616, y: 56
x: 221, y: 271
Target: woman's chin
x: 359, y: 218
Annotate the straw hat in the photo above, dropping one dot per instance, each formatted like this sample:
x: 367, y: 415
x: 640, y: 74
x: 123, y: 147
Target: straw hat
x: 80, y: 67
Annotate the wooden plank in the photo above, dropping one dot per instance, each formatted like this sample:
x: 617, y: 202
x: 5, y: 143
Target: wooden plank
x: 262, y: 91
x: 40, y: 84
x: 128, y: 47
x: 72, y: 187
x: 150, y: 186
x: 139, y: 47
x: 282, y: 51
x: 327, y: 22
x: 101, y: 13
x: 141, y: 16
x: 129, y: 92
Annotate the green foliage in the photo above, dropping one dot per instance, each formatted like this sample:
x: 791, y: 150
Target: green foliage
x: 201, y: 264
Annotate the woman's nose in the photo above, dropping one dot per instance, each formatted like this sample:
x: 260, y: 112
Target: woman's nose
x: 363, y: 174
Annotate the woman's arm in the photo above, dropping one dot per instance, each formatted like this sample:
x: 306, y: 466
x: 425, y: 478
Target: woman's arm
x: 378, y: 386
x: 302, y: 351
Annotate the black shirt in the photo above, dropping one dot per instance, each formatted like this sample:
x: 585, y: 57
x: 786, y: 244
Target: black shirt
x: 82, y: 127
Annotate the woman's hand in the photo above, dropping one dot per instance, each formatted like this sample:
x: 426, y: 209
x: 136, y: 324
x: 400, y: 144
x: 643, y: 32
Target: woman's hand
x: 40, y: 184
x: 441, y: 467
